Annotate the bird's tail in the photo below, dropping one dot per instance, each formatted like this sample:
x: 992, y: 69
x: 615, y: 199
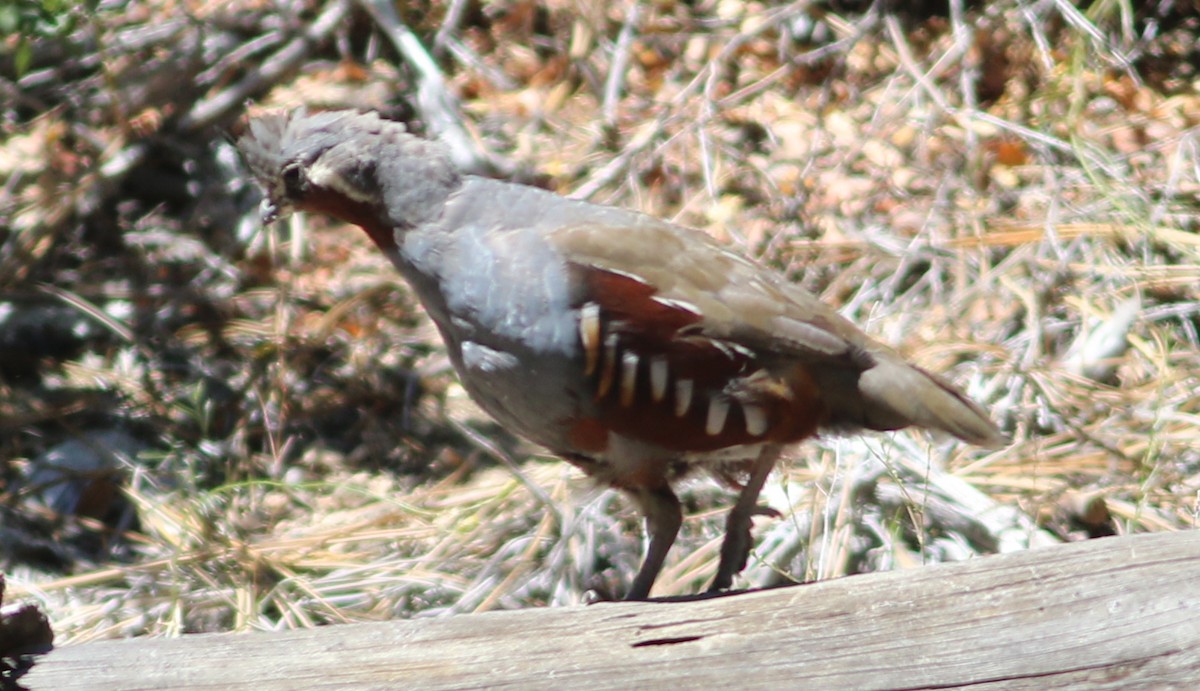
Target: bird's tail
x: 896, y: 394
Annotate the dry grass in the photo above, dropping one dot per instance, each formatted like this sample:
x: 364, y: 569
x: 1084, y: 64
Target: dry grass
x: 985, y: 190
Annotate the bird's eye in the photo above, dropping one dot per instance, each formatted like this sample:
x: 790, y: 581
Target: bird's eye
x: 293, y: 180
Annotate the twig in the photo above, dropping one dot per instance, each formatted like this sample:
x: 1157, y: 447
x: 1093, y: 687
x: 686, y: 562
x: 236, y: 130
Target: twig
x: 238, y: 55
x: 449, y: 27
x: 619, y: 65
x: 963, y: 115
x: 646, y: 135
x: 90, y: 309
x: 437, y: 106
x: 641, y: 141
x: 281, y: 64
x: 487, y: 446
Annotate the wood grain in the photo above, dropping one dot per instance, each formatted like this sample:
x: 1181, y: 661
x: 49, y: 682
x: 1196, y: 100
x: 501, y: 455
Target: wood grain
x: 1110, y: 613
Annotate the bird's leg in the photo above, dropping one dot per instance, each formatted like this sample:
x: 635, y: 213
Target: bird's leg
x: 735, y: 550
x: 663, y: 515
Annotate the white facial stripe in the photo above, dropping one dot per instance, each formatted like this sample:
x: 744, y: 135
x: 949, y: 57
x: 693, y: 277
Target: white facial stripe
x: 321, y: 174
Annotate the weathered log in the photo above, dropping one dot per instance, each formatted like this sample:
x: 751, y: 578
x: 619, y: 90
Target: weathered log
x: 1109, y: 613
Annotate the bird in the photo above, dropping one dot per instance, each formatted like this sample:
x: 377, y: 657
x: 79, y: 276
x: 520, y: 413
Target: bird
x: 638, y: 350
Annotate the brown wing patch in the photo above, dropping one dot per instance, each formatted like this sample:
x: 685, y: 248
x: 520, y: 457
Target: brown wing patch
x: 588, y: 435
x: 658, y: 378
x: 623, y: 297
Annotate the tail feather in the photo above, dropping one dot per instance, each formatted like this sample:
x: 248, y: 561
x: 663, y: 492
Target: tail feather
x: 896, y: 394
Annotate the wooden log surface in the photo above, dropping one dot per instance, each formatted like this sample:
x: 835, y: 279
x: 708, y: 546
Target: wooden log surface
x: 1119, y: 613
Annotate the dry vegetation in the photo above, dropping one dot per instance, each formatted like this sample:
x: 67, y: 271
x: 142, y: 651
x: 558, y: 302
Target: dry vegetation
x: 205, y: 425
